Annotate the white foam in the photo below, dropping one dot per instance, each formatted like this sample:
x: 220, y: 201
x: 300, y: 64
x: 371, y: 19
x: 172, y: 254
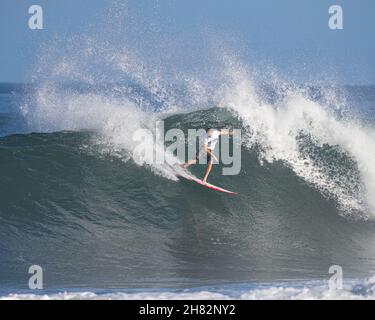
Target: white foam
x: 276, y: 130
x: 310, y: 290
x: 273, y: 128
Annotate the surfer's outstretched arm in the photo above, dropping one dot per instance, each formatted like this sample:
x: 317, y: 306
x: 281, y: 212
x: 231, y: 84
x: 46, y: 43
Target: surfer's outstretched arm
x: 226, y: 132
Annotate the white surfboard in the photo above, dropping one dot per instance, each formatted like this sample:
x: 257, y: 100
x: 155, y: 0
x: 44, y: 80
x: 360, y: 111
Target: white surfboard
x: 182, y: 173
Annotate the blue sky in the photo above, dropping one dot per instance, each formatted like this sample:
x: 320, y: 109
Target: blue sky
x: 292, y: 35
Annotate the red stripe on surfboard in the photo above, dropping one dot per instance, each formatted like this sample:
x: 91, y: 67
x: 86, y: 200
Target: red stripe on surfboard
x: 211, y: 186
x: 207, y: 185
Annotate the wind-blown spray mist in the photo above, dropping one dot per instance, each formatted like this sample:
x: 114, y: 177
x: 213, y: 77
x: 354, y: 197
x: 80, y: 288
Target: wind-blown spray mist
x: 99, y: 85
x: 302, y: 133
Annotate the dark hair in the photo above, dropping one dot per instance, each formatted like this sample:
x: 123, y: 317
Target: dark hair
x: 208, y: 129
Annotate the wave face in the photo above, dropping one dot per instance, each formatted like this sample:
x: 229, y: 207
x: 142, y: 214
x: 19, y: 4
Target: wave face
x: 78, y: 200
x: 80, y: 204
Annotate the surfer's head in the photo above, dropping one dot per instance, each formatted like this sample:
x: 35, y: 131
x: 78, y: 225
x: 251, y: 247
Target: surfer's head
x: 209, y: 131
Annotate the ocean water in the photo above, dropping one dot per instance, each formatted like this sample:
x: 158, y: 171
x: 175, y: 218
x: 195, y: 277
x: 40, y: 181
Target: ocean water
x: 103, y: 224
x: 77, y: 199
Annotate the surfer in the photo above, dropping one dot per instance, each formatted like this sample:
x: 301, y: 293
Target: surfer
x: 210, y: 140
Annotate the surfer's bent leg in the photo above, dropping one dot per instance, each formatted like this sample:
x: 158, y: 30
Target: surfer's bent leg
x: 193, y: 161
x: 209, y: 167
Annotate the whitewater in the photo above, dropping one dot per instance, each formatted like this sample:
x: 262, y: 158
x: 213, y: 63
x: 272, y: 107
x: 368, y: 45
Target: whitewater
x: 105, y: 223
